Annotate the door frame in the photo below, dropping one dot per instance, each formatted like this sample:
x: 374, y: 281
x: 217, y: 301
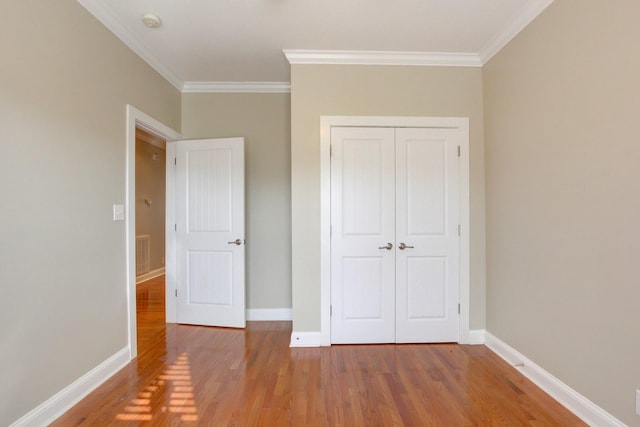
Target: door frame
x: 326, y: 123
x: 137, y: 118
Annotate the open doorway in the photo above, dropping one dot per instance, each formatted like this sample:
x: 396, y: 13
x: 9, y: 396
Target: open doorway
x: 150, y: 189
x: 139, y: 121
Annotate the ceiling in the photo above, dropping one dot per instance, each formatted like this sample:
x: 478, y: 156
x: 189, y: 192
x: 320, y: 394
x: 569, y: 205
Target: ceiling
x: 209, y: 44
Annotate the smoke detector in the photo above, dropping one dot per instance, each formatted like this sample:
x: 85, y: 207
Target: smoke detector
x: 151, y: 20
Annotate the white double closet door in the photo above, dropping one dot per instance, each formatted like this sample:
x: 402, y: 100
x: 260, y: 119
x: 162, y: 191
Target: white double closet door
x: 395, y: 196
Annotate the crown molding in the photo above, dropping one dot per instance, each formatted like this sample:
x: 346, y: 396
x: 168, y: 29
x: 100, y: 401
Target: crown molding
x: 351, y: 57
x: 236, y: 87
x: 108, y: 19
x: 524, y: 18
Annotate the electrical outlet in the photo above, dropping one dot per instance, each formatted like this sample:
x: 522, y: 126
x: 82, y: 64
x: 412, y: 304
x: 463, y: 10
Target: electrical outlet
x: 638, y: 402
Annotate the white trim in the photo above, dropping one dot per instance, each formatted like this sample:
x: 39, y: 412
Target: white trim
x: 153, y: 141
x: 515, y: 26
x: 267, y: 314
x: 62, y: 401
x: 103, y: 14
x: 354, y: 57
x: 305, y: 339
x: 326, y: 122
x: 582, y: 407
x: 137, y: 118
x: 150, y: 275
x: 477, y: 336
x: 237, y: 87
x: 170, y: 253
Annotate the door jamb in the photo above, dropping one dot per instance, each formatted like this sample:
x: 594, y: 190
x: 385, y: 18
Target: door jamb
x: 136, y: 118
x: 326, y: 122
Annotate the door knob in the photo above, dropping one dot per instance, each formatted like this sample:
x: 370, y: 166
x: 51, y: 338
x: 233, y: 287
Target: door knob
x: 236, y: 242
x: 388, y: 246
x: 402, y: 246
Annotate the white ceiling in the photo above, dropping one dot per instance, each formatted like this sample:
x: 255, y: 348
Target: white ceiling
x: 213, y: 43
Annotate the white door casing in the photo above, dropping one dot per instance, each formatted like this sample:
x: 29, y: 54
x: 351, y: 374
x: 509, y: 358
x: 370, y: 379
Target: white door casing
x: 394, y: 235
x: 210, y: 251
x: 363, y: 224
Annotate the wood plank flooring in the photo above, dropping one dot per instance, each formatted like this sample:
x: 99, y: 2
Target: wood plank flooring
x: 191, y: 375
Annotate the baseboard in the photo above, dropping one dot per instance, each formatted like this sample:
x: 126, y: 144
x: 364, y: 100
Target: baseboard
x: 582, y: 407
x: 477, y: 336
x: 305, y: 339
x: 266, y: 314
x: 62, y: 401
x: 150, y: 275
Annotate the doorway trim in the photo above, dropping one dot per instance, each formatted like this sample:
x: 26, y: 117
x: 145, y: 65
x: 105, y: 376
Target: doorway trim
x: 326, y: 123
x: 136, y: 118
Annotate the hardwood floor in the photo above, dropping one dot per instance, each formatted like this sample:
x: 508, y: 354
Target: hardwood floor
x: 150, y: 312
x: 191, y: 375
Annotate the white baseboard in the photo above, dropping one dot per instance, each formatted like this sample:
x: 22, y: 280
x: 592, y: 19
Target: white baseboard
x: 62, y: 401
x: 266, y: 314
x: 477, y: 336
x: 150, y: 275
x: 305, y: 339
x: 582, y: 407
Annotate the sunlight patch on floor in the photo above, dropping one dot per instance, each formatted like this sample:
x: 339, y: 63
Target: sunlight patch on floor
x: 176, y: 381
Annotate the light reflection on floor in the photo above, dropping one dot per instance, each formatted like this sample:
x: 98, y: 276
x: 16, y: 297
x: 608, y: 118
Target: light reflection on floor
x: 177, y: 380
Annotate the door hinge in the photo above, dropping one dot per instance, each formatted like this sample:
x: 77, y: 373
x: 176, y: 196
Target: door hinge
x: 458, y: 308
x: 458, y: 230
x: 175, y: 161
x: 330, y: 230
x: 330, y: 310
x: 458, y: 151
x: 176, y: 293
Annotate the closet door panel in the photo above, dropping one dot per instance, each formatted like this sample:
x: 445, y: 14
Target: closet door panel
x: 363, y: 225
x: 427, y: 198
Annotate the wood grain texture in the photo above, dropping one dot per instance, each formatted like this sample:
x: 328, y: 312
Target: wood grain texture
x: 190, y: 375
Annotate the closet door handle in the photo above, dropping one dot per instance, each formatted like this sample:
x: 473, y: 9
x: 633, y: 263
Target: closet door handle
x: 235, y: 242
x: 402, y: 246
x: 388, y: 246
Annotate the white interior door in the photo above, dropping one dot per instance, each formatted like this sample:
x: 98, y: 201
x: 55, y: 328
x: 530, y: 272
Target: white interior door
x: 396, y: 189
x: 363, y: 235
x: 210, y: 258
x: 427, y: 206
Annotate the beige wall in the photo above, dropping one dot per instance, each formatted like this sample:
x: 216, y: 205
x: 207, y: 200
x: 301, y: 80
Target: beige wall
x: 318, y: 90
x: 563, y: 197
x: 263, y: 119
x: 150, y: 185
x: 65, y: 81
